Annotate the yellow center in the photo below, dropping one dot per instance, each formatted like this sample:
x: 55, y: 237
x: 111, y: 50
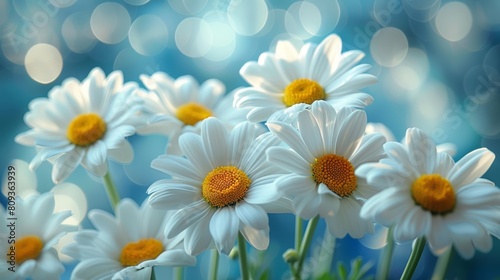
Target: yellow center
x: 433, y: 193
x: 86, y: 129
x: 225, y: 185
x: 134, y: 253
x: 27, y: 248
x: 336, y: 172
x: 303, y: 91
x: 191, y: 113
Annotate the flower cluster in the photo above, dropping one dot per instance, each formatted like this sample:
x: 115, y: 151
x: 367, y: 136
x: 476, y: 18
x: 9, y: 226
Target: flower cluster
x: 297, y: 140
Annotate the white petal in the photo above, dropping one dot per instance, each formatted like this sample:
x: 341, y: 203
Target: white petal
x: 288, y: 160
x: 471, y: 166
x: 291, y: 136
x: 215, y: 136
x: 186, y: 217
x: 310, y: 133
x: 192, y: 147
x: 224, y: 227
x: 65, y: 164
x: 197, y: 238
x: 422, y: 150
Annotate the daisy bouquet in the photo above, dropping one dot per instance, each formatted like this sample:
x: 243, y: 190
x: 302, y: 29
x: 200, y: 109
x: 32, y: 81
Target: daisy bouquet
x: 295, y: 140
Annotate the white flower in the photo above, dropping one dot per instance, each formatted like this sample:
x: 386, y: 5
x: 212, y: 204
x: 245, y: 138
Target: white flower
x: 126, y: 246
x: 220, y: 189
x: 327, y: 147
x: 83, y: 123
x: 290, y: 76
x: 448, y: 148
x: 178, y: 105
x: 27, y: 242
x: 428, y: 194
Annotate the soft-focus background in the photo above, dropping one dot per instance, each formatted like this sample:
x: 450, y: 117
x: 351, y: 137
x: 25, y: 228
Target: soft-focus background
x: 438, y: 65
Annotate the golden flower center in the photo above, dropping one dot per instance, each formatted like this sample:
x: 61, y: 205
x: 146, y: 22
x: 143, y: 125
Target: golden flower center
x: 303, y: 91
x: 191, y: 113
x: 434, y: 193
x: 134, y: 253
x: 27, y: 248
x: 336, y: 172
x: 225, y: 185
x: 86, y: 129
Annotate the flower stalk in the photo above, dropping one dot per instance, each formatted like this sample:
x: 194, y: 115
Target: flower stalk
x: 111, y: 190
x: 245, y: 273
x: 416, y: 253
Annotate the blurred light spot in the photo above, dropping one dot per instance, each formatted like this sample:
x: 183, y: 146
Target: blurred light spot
x: 148, y: 35
x: 187, y: 7
x: 431, y: 102
x: 421, y: 10
x: 454, y: 21
x: 389, y: 46
x: 68, y: 196
x: 25, y: 8
x: 328, y: 18
x: 247, y: 17
x: 310, y: 17
x: 376, y: 240
x: 489, y: 13
x: 194, y: 37
x: 145, y: 150
x: 62, y: 3
x: 4, y: 11
x: 275, y: 23
x: 77, y: 33
x: 412, y: 71
x: 484, y: 117
x: 491, y: 64
x: 110, y: 22
x: 66, y: 239
x: 25, y: 179
x: 293, y: 22
x: 224, y: 38
x: 479, y: 84
x: 296, y: 42
x: 384, y: 10
x: 136, y: 2
x: 133, y: 64
x: 43, y: 62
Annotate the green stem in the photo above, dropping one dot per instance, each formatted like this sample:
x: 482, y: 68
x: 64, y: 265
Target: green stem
x: 416, y: 252
x: 385, y: 264
x: 245, y: 273
x: 111, y: 190
x: 153, y: 275
x: 214, y: 265
x: 306, y: 242
x: 298, y: 232
x: 442, y: 265
x: 179, y: 272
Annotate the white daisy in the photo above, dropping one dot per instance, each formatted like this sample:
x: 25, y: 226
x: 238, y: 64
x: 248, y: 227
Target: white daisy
x: 220, y: 189
x: 27, y: 239
x: 427, y: 194
x: 448, y: 148
x: 83, y: 123
x: 291, y: 76
x: 326, y: 148
x: 126, y: 246
x: 178, y: 105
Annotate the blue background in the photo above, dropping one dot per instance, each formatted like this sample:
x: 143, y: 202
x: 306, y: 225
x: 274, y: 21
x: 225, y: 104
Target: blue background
x: 438, y: 86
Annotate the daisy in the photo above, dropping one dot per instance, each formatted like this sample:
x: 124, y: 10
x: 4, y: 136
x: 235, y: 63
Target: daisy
x: 291, y: 76
x: 83, y: 123
x: 326, y: 149
x: 428, y: 194
x: 126, y: 246
x: 178, y: 105
x: 220, y: 189
x: 28, y: 236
